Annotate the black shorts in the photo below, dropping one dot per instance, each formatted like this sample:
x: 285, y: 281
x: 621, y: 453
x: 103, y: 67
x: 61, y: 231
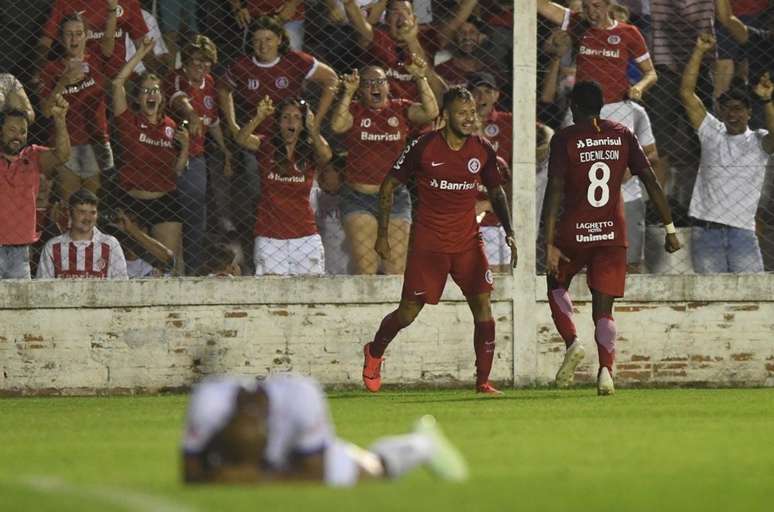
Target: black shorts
x: 150, y: 212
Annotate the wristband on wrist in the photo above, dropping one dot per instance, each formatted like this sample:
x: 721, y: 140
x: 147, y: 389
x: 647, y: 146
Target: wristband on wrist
x: 670, y: 228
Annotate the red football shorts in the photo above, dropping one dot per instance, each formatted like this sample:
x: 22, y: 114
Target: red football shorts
x: 426, y: 272
x: 605, y: 268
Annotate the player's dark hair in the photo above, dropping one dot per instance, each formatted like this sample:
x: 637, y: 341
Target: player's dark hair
x: 735, y: 94
x: 273, y: 24
x: 304, y: 152
x: 14, y: 112
x: 82, y: 196
x: 456, y: 92
x: 587, y: 98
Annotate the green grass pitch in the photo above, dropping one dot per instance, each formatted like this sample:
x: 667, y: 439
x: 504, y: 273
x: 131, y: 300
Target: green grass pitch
x: 531, y: 450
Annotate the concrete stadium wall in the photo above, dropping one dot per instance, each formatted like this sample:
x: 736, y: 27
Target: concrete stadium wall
x: 66, y: 337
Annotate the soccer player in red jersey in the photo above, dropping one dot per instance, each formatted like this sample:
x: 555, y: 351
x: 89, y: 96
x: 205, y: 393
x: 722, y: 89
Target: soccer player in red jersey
x: 447, y: 166
x: 586, y: 168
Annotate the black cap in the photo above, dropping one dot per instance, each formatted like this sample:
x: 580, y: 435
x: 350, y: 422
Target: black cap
x: 482, y: 78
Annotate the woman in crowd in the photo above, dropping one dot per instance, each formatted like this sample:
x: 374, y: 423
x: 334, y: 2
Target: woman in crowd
x: 286, y: 237
x: 376, y: 128
x: 191, y: 93
x: 80, y: 77
x: 273, y: 70
x: 154, y: 154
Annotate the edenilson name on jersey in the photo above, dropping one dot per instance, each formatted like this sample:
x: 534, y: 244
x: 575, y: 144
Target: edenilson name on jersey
x: 599, y: 154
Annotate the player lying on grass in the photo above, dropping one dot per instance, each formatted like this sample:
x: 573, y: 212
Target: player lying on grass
x: 586, y: 168
x: 279, y: 430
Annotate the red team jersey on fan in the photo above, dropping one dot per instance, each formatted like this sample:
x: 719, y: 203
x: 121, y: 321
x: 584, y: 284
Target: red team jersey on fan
x: 148, y: 153
x: 384, y: 52
x: 593, y: 163
x: 447, y: 185
x: 375, y: 140
x: 284, y: 211
x: 202, y: 98
x: 271, y: 7
x: 251, y: 80
x: 604, y: 54
x: 129, y: 20
x: 87, y: 115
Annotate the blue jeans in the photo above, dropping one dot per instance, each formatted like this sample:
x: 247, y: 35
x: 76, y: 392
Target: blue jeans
x: 725, y: 249
x: 192, y: 194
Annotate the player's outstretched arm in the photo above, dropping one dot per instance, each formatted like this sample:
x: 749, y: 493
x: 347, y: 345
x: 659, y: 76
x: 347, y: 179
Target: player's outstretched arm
x: 764, y: 89
x: 656, y: 194
x: 693, y: 105
x: 382, y: 246
x: 499, y: 201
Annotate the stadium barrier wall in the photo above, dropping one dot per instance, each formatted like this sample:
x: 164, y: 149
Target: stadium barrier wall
x: 85, y: 337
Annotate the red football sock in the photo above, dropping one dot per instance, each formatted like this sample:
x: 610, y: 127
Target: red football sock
x: 484, y: 345
x: 604, y: 334
x: 387, y: 331
x: 561, y: 311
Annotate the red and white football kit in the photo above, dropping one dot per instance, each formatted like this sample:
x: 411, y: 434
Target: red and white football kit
x: 87, y: 115
x: 202, y: 97
x: 129, y: 20
x: 604, y: 54
x: 375, y: 141
x: 149, y: 153
x: 99, y: 257
x: 592, y: 158
x: 445, y: 238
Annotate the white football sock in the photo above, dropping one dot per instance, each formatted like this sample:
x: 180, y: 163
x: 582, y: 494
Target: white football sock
x: 401, y: 454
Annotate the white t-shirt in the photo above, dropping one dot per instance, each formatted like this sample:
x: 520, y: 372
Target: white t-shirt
x: 100, y: 257
x: 139, y: 268
x: 298, y: 421
x: 731, y: 171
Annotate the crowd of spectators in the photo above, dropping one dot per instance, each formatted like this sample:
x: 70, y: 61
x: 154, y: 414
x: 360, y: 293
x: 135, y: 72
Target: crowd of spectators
x: 250, y: 136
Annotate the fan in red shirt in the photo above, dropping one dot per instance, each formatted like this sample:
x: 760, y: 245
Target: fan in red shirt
x: 376, y: 128
x: 497, y: 127
x: 192, y: 96
x: 286, y: 237
x: 393, y: 48
x: 447, y: 167
x: 586, y: 168
x: 154, y: 154
x: 272, y: 70
x: 80, y: 77
x: 96, y: 13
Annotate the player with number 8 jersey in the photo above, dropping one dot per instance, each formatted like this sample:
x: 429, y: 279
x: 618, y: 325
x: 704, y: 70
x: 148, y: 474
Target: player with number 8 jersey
x: 586, y: 168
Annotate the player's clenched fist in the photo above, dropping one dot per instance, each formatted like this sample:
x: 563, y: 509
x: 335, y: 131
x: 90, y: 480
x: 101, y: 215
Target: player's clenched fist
x: 672, y: 243
x: 265, y: 108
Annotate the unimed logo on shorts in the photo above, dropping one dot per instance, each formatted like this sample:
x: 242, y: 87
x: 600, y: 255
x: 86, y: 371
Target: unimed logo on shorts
x: 451, y: 185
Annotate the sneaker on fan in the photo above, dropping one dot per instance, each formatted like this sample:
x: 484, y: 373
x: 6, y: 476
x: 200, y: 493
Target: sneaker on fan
x: 605, y: 382
x: 372, y: 370
x: 446, y: 462
x: 572, y: 358
x: 487, y: 389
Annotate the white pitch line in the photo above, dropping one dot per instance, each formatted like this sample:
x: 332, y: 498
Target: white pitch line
x: 128, y: 500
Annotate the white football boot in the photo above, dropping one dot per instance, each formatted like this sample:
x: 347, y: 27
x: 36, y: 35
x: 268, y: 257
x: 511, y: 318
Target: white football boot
x: 447, y: 462
x: 572, y: 358
x: 605, y: 383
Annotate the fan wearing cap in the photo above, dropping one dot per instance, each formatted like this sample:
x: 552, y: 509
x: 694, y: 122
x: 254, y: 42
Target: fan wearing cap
x: 496, y: 127
x: 279, y: 429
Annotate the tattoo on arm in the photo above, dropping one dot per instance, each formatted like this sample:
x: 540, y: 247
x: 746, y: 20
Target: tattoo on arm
x: 499, y: 201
